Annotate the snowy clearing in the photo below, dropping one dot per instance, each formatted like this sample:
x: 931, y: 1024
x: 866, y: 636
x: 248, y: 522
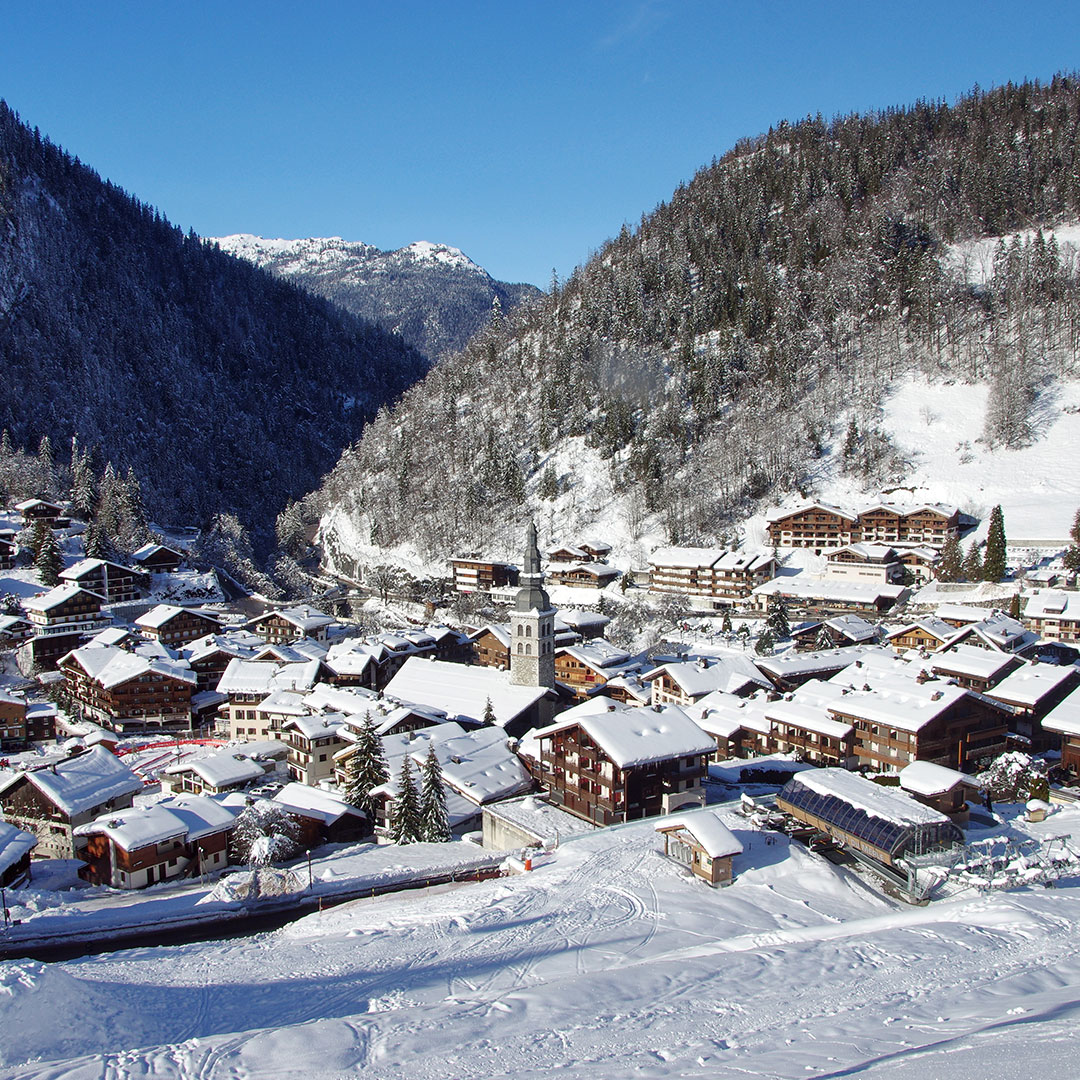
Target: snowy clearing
x: 606, y: 962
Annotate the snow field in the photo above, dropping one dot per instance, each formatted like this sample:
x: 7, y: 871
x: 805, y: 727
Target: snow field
x: 608, y: 961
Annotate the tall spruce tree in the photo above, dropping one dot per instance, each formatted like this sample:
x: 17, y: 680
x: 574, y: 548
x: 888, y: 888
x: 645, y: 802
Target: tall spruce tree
x: 766, y: 643
x: 434, y: 827
x: 405, y: 819
x: 366, y: 768
x: 994, y: 565
x: 49, y: 561
x: 973, y: 563
x: 951, y: 563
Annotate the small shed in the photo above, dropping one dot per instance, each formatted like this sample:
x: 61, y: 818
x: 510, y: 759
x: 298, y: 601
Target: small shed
x: 936, y: 786
x: 702, y: 843
x: 15, y: 848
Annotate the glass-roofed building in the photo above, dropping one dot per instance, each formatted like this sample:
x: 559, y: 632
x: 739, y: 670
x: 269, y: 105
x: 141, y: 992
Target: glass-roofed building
x: 878, y: 821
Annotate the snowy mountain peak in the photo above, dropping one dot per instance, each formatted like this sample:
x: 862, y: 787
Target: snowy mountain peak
x: 425, y: 251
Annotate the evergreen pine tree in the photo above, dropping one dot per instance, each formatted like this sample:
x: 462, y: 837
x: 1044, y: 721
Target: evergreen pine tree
x: 994, y: 564
x: 766, y: 643
x: 136, y: 531
x: 489, y: 712
x: 1014, y: 606
x: 49, y: 561
x: 950, y: 565
x: 725, y: 625
x: 434, y: 827
x: 95, y: 545
x: 851, y: 442
x: 40, y: 531
x: 405, y: 819
x: 366, y: 769
x: 82, y: 482
x: 777, y: 619
x: 973, y: 564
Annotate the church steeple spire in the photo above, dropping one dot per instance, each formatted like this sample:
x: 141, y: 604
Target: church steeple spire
x: 532, y: 622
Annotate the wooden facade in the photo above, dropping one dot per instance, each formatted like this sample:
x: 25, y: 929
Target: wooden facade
x: 482, y: 575
x: 107, y: 863
x: 820, y: 526
x: 177, y: 626
x: 111, y: 581
x: 583, y: 780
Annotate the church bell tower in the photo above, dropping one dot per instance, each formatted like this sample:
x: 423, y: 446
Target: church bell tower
x: 532, y: 624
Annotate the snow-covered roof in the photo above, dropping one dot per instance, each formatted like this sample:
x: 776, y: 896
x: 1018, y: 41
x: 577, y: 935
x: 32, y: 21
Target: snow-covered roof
x: 721, y: 714
x: 597, y: 654
x: 853, y: 627
x: 350, y: 700
x: 878, y: 553
x: 807, y: 663
x: 908, y: 707
x: 707, y: 829
x: 637, y: 735
x: 873, y: 799
x: 971, y: 662
x: 143, y: 553
x: 698, y: 678
x: 26, y: 504
x: 89, y: 566
x: 461, y: 689
x: 111, y: 635
x: 927, y: 779
x: 1053, y: 604
x: 326, y: 806
x: 314, y: 727
x: 500, y: 631
x: 14, y: 844
x: 808, y: 708
x: 227, y: 767
x: 929, y: 624
x: 241, y: 643
x: 779, y: 515
x: 576, y: 619
x: 186, y: 817
x: 55, y: 597
x: 81, y: 782
x: 305, y: 619
x: 109, y: 666
x: 1064, y: 718
x: 1031, y: 683
x: 283, y: 703
x: 158, y: 616
x: 534, y: 815
x: 800, y: 586
x: 264, y: 676
x: 690, y: 558
x: 961, y: 613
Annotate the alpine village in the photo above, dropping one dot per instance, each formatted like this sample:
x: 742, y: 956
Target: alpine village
x: 748, y: 549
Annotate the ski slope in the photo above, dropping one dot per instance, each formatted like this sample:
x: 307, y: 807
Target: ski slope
x: 605, y: 962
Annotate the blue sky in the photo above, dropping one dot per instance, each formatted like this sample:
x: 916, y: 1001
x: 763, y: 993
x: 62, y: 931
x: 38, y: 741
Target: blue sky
x: 524, y: 133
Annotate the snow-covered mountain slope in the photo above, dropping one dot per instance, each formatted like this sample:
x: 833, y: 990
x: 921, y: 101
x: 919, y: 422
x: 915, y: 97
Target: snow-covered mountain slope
x: 434, y: 295
x: 607, y: 961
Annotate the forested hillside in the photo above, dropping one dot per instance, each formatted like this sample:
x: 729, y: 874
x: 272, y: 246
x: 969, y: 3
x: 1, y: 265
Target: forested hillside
x: 435, y: 297
x: 223, y: 388
x: 711, y: 359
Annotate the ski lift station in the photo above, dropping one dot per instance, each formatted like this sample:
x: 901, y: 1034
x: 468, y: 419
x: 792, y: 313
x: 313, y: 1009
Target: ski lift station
x: 867, y: 818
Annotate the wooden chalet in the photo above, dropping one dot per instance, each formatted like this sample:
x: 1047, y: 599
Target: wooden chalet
x: 14, y: 630
x: 1032, y: 692
x: 829, y: 596
x: 688, y: 682
x: 322, y: 817
x: 473, y: 574
x: 134, y: 848
x: 820, y: 526
x: 836, y: 633
x: 16, y: 846
x: 209, y: 656
x: 800, y: 724
x: 8, y: 549
x: 158, y: 559
x: 225, y: 770
x: 624, y: 763
x: 1054, y: 614
x: 33, y: 510
x: 973, y: 667
x: 583, y: 575
x: 932, y: 721
x: 928, y: 633
x: 67, y: 609
x: 815, y: 525
x: 702, y: 843
x: 942, y: 789
x: 290, y: 624
x: 588, y: 666
x: 53, y: 800
x: 127, y: 692
x: 109, y: 580
x: 175, y: 626
x: 491, y: 647
x: 714, y: 574
x: 24, y: 723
